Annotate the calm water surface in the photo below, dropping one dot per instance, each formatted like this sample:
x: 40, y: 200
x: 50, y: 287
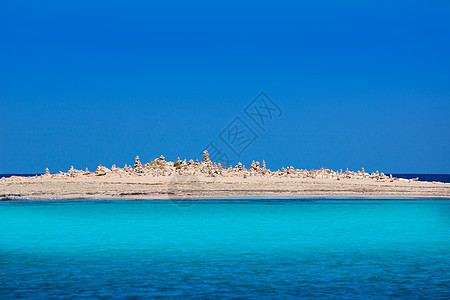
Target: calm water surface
x: 230, y: 249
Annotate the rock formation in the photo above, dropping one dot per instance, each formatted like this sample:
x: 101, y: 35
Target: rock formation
x: 160, y: 167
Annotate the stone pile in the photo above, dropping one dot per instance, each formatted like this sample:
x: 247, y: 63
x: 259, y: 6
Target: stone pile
x: 206, y: 157
x: 101, y: 171
x: 138, y: 166
x: 161, y: 167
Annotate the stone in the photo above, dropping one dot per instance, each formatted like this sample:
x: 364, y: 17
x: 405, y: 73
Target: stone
x: 101, y: 171
x: 206, y: 157
x: 162, y: 158
x: 264, y: 165
x: 138, y: 165
x: 47, y: 171
x: 177, y: 164
x: 71, y: 171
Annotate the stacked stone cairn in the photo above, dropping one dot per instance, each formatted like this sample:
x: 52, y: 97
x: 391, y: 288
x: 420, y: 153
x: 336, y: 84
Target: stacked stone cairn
x: 206, y: 157
x: 138, y: 166
x: 101, y: 171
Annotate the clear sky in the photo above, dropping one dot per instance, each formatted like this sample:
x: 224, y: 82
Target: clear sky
x: 359, y: 83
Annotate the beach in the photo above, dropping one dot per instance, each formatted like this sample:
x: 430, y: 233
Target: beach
x: 161, y: 179
x: 182, y: 186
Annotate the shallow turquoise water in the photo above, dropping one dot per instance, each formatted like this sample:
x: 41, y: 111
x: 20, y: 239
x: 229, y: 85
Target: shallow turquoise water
x: 236, y: 248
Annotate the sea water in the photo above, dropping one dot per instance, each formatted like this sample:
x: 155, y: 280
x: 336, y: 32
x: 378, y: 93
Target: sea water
x: 304, y: 248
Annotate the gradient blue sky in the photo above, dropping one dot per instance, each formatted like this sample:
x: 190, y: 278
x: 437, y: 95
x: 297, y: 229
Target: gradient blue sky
x: 361, y: 83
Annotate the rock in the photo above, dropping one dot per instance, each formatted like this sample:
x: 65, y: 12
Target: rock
x: 264, y: 165
x: 71, y: 172
x: 128, y: 168
x: 206, y: 157
x: 47, y: 171
x: 177, y: 164
x: 162, y: 158
x: 101, y: 170
x: 138, y: 166
x: 253, y: 166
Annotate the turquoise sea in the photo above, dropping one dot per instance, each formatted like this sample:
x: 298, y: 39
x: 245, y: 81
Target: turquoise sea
x: 303, y: 248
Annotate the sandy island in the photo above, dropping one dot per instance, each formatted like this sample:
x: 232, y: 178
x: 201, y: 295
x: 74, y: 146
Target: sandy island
x: 160, y: 179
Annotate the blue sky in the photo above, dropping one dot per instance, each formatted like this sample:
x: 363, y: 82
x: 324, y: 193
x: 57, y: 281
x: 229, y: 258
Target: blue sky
x: 360, y: 83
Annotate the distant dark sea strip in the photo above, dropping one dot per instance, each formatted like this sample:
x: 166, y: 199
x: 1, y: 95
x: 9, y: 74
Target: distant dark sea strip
x: 422, y: 177
x: 426, y: 177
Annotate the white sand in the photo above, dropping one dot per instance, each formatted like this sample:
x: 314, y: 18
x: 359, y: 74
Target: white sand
x: 166, y: 187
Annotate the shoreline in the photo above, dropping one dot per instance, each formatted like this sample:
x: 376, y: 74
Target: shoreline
x: 165, y: 180
x: 184, y: 187
x: 245, y: 198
